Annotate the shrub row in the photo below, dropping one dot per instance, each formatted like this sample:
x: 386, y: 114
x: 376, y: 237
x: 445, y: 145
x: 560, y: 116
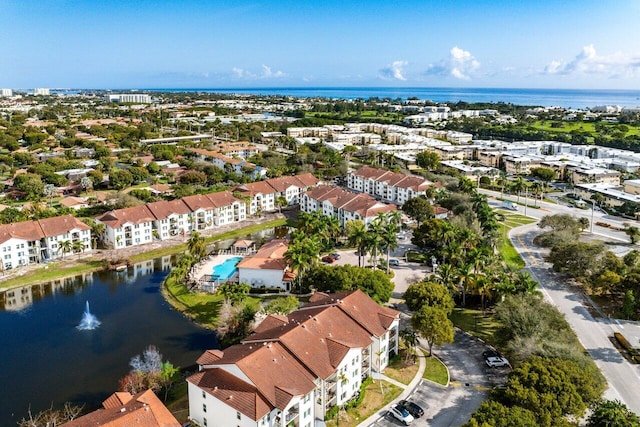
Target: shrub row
x: 331, y: 413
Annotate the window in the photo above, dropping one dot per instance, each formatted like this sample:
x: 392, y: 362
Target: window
x: 204, y: 395
x: 307, y: 413
x: 238, y: 416
x: 307, y: 398
x: 204, y: 407
x: 205, y: 422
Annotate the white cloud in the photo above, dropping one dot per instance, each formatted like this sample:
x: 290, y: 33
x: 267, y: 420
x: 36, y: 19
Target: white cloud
x: 267, y: 73
x: 589, y: 62
x: 394, y: 71
x: 460, y: 64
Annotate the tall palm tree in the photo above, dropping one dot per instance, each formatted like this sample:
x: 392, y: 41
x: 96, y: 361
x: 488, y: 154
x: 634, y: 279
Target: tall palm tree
x: 375, y: 242
x: 197, y: 246
x: 302, y: 253
x: 78, y: 246
x: 466, y: 280
x: 356, y: 236
x: 65, y: 247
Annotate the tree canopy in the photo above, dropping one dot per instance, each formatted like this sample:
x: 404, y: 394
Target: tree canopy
x: 374, y: 283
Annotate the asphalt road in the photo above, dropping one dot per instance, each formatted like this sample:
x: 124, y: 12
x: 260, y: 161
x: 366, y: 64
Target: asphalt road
x: 593, y: 333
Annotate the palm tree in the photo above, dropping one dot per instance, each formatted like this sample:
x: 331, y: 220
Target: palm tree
x: 466, y: 280
x: 357, y: 236
x: 302, y: 253
x: 375, y: 231
x: 389, y: 236
x: 410, y: 339
x: 65, y: 247
x: 78, y: 246
x: 197, y: 246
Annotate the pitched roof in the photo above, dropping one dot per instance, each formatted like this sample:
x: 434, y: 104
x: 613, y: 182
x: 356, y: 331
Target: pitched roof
x: 36, y: 230
x: 270, y: 256
x: 134, y: 215
x: 274, y: 377
x: 164, y: 209
x: 360, y: 307
x: 361, y: 203
x: 124, y: 410
x: 394, y: 179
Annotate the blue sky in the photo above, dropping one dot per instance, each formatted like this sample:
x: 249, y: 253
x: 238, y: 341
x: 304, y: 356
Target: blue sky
x: 277, y: 43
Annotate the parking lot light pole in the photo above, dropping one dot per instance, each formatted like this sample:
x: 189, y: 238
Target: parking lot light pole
x: 593, y: 209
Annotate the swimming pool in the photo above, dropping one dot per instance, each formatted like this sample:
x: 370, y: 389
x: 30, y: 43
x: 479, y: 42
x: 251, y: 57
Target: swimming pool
x: 227, y: 269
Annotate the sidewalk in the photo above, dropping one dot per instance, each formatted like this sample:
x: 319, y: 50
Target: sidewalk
x: 406, y: 392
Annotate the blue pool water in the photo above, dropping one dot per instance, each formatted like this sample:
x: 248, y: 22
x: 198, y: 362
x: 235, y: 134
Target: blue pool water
x: 227, y: 269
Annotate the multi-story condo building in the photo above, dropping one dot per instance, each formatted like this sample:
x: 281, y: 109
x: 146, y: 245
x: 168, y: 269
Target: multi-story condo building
x: 166, y: 219
x: 294, y: 368
x: 386, y: 185
x: 30, y: 242
x: 241, y: 167
x: 41, y: 91
x: 6, y: 92
x: 263, y: 194
x: 138, y: 98
x: 343, y: 205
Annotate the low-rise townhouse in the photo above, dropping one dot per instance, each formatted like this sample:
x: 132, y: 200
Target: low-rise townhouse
x: 30, y: 242
x: 295, y: 368
x: 343, y: 205
x: 391, y: 186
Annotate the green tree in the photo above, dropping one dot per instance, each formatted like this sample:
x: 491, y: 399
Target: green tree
x: 236, y: 293
x: 120, y: 179
x: 356, y: 231
x: 428, y: 160
x: 428, y: 293
x: 495, y: 414
x: 612, y: 413
x: 433, y: 325
x: 30, y: 184
x: 579, y: 259
x: 418, y: 209
x: 374, y: 283
x: 545, y: 174
x: 65, y: 247
x: 197, y: 246
x: 633, y: 232
x: 629, y: 304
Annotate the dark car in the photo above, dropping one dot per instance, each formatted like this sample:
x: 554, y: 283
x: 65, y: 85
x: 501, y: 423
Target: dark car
x: 328, y: 259
x: 491, y: 353
x: 412, y: 408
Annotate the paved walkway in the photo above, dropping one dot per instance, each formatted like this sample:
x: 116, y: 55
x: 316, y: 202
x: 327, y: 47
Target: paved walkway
x: 406, y: 392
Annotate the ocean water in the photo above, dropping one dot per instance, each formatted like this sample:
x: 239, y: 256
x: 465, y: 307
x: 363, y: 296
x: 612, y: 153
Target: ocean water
x: 567, y: 98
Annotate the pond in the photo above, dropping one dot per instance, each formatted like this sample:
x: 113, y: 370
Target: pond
x: 47, y: 360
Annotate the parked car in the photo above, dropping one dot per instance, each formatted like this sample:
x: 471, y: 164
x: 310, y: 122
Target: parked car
x: 401, y: 414
x: 394, y: 262
x: 328, y: 259
x: 491, y: 353
x: 335, y: 255
x: 497, y: 362
x: 415, y: 410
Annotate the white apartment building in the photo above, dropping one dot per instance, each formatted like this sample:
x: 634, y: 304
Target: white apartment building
x: 137, y: 98
x: 386, y: 185
x: 127, y: 227
x: 343, y: 205
x: 6, y: 92
x: 264, y: 194
x: 30, y: 242
x: 273, y: 379
x: 41, y: 91
x: 172, y: 218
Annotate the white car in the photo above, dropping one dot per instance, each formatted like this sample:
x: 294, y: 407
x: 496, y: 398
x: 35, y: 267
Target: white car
x: 401, y: 414
x: 393, y: 262
x: 497, y: 362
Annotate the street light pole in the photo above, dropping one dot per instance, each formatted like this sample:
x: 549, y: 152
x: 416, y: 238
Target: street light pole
x: 526, y: 189
x: 593, y: 208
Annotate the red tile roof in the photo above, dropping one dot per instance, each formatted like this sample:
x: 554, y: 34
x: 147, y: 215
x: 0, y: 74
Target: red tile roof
x: 36, y: 230
x: 394, y: 179
x: 124, y: 410
x: 270, y: 256
x: 135, y: 215
x: 360, y: 203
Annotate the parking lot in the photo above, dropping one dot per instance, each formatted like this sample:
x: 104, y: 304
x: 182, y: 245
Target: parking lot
x: 470, y: 383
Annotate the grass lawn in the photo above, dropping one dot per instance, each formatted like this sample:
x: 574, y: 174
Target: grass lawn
x: 507, y: 251
x: 377, y: 395
x: 435, y: 371
x: 55, y: 270
x: 402, y: 370
x: 178, y: 404
x: 477, y: 324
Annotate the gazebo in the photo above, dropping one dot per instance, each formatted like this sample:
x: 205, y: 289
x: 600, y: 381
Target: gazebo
x: 243, y: 246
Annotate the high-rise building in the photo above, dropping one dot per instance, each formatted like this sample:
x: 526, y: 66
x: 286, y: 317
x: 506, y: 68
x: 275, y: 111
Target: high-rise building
x: 41, y: 91
x: 6, y: 92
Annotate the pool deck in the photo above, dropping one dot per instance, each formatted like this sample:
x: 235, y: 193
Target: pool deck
x: 205, y: 267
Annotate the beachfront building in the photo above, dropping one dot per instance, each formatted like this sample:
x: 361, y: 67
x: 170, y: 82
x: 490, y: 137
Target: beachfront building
x: 386, y: 185
x: 30, y: 242
x: 268, y: 267
x: 343, y: 205
x: 137, y: 98
x: 273, y: 379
